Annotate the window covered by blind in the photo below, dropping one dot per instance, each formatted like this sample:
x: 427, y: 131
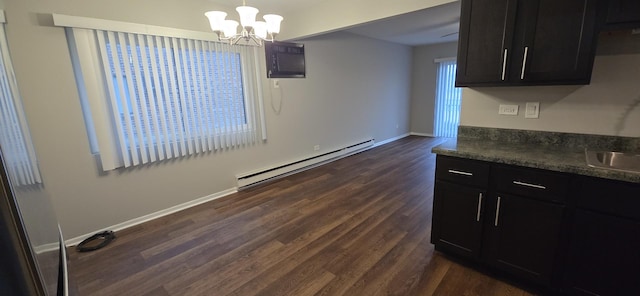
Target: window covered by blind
x: 15, y: 139
x: 448, y: 98
x: 164, y: 96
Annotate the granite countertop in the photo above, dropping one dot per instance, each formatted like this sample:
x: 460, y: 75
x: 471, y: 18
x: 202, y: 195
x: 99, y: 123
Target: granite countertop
x: 530, y: 151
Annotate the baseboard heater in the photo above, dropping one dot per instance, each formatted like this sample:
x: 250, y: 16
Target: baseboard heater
x: 256, y: 177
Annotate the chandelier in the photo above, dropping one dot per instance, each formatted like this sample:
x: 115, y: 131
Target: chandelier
x: 252, y: 32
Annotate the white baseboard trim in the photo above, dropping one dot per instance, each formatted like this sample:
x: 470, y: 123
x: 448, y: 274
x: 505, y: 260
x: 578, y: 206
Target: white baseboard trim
x: 387, y: 141
x: 76, y: 240
x: 422, y: 135
x: 249, y: 179
x: 46, y: 248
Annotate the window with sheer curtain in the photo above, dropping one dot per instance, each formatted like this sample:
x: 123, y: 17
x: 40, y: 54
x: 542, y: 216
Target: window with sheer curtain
x: 448, y: 99
x: 15, y: 141
x: 149, y: 97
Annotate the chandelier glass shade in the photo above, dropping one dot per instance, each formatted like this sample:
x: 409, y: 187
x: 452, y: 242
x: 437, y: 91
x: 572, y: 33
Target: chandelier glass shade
x: 252, y: 32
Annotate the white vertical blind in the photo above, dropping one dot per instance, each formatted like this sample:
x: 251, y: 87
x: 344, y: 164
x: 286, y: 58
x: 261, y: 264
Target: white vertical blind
x: 448, y: 98
x: 15, y: 139
x: 166, y: 96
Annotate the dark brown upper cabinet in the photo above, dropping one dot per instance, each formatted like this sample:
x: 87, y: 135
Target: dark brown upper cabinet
x: 526, y: 42
x: 623, y: 14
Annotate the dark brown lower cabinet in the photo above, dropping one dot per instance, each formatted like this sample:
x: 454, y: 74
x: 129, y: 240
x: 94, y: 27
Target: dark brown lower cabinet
x: 568, y: 234
x: 523, y: 237
x: 457, y: 208
x: 603, y: 256
x: 516, y: 230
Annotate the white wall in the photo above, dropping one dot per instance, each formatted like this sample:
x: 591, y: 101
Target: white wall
x: 353, y: 91
x: 610, y: 105
x: 363, y: 80
x: 423, y: 87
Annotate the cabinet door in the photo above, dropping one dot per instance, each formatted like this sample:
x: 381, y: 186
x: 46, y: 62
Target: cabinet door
x: 559, y: 43
x: 523, y: 237
x: 485, y: 38
x: 457, y: 216
x: 623, y: 11
x: 604, y: 256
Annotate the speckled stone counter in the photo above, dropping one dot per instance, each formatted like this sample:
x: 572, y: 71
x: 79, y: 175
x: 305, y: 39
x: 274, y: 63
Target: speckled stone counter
x: 561, y: 152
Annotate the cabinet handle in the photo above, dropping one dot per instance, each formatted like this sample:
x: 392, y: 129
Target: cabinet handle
x: 460, y: 173
x: 524, y: 61
x: 497, y: 212
x: 504, y: 63
x: 479, y: 207
x: 529, y: 185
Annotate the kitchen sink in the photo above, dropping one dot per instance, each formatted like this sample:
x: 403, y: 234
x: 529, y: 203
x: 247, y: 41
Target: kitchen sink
x: 619, y: 161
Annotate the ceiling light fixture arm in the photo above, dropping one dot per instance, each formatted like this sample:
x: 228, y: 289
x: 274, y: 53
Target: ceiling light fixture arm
x: 252, y: 32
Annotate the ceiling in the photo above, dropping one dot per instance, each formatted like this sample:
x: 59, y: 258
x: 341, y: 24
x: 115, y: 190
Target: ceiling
x: 428, y: 26
x: 437, y: 24
x: 272, y: 6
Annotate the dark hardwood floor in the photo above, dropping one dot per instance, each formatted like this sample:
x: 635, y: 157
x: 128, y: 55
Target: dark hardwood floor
x: 358, y: 226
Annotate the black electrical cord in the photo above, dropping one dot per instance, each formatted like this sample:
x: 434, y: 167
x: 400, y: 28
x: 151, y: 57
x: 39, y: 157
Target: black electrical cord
x: 88, y: 244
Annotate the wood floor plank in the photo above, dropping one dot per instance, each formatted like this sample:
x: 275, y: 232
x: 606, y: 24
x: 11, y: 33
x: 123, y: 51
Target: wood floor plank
x: 377, y: 279
x: 160, y: 291
x: 407, y: 278
x: 261, y: 264
x: 361, y: 259
x: 311, y: 286
x: 319, y: 251
x: 358, y: 226
x: 224, y: 273
x: 434, y: 268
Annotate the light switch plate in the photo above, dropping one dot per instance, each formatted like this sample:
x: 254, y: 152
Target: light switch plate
x: 532, y: 110
x: 508, y: 109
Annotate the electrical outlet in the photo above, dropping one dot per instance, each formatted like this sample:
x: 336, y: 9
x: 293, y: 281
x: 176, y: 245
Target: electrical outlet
x: 532, y: 110
x: 316, y: 147
x: 508, y: 109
